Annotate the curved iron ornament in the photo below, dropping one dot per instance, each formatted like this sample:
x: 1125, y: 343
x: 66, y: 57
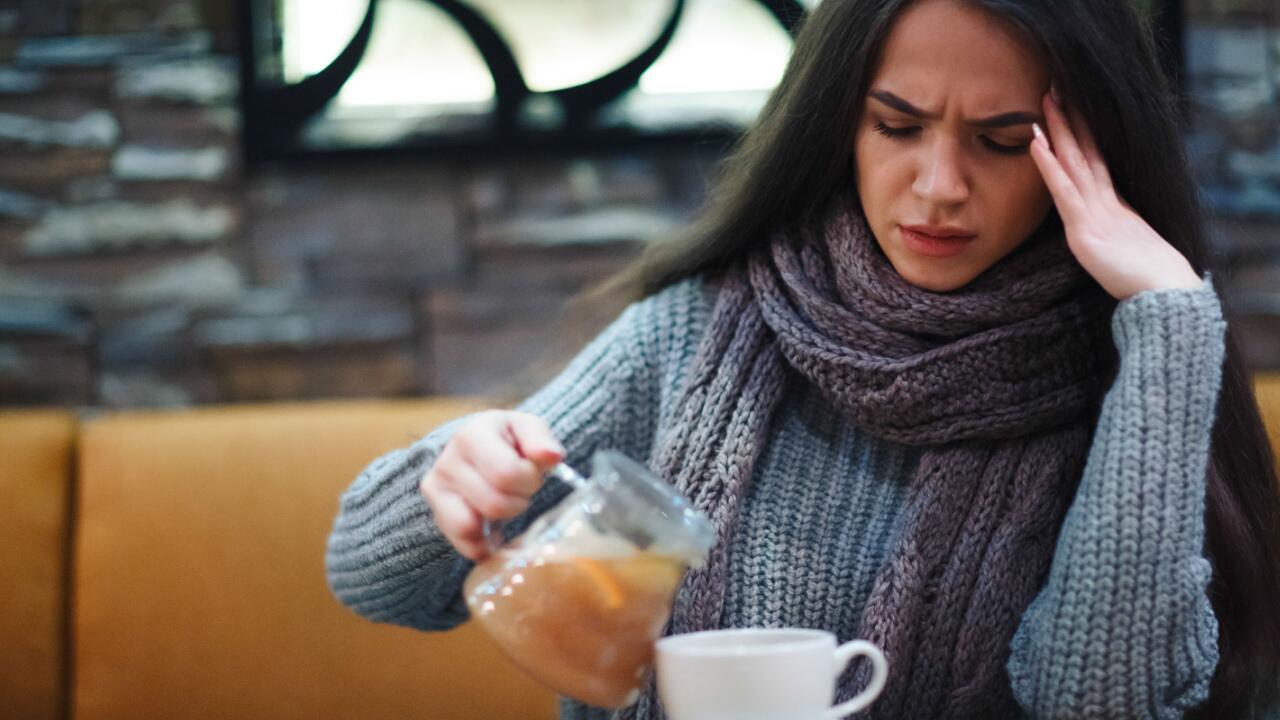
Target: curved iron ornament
x: 290, y: 106
x: 788, y: 13
x: 583, y: 101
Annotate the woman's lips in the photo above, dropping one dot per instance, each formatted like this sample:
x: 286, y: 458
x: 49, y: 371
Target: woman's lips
x: 931, y: 246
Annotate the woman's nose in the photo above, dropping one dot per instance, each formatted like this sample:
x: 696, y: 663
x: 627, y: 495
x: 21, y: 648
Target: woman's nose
x: 941, y: 179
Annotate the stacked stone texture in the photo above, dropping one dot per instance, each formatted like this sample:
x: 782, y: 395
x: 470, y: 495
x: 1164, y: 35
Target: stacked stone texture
x: 142, y: 265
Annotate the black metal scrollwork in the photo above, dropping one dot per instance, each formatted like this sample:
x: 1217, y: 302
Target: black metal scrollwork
x: 288, y: 107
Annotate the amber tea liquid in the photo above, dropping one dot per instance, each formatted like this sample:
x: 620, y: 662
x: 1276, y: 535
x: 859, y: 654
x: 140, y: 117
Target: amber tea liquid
x: 583, y: 626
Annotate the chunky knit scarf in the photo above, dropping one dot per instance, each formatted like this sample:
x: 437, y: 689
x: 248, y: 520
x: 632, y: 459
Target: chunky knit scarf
x: 998, y: 382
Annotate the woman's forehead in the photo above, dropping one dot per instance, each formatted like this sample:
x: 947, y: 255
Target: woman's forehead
x: 936, y: 44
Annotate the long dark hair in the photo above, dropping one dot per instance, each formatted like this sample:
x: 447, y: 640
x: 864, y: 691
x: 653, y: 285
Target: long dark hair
x: 1103, y: 59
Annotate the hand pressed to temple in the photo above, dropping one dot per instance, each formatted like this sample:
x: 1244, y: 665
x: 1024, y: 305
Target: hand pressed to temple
x: 1111, y: 241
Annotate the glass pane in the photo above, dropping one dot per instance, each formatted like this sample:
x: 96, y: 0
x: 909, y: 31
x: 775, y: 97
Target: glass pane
x: 422, y: 77
x: 721, y: 46
x: 310, y: 40
x: 417, y: 54
x: 564, y: 43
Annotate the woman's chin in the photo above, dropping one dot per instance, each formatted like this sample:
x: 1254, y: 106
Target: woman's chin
x: 934, y: 279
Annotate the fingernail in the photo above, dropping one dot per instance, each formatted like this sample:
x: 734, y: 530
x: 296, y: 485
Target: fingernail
x: 1035, y: 129
x: 1053, y: 93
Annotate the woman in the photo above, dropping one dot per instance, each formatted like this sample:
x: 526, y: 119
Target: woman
x: 941, y: 364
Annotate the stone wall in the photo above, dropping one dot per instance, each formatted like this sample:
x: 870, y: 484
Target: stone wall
x: 121, y: 205
x: 142, y: 265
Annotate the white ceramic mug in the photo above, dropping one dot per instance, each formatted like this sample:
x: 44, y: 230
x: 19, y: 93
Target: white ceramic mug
x: 759, y: 674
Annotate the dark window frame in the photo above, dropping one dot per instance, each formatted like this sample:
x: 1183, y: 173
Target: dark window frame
x: 272, y: 116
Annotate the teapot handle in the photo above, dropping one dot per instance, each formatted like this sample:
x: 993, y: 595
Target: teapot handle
x: 494, y: 535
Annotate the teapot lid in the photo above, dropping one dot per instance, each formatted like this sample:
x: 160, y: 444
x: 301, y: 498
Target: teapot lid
x: 648, y: 512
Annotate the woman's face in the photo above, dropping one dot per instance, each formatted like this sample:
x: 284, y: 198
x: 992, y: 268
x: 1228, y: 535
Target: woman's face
x: 942, y: 143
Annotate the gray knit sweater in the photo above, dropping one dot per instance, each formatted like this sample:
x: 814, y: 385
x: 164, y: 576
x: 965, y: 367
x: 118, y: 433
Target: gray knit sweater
x: 1122, y: 629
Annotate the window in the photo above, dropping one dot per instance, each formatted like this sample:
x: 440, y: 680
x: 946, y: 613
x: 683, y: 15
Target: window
x: 341, y: 75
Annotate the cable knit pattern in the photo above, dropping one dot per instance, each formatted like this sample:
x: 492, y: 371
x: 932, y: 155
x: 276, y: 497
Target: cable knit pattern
x: 997, y: 382
x: 826, y: 501
x: 836, y: 509
x: 1124, y: 629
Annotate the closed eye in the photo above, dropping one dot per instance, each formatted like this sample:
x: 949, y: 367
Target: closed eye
x: 893, y: 132
x: 1006, y: 149
x: 903, y: 133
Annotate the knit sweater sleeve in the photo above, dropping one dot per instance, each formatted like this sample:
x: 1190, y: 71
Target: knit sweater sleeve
x: 1124, y: 627
x: 388, y: 561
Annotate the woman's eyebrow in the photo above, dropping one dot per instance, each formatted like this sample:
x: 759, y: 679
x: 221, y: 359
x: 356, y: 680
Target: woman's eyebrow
x: 995, y: 121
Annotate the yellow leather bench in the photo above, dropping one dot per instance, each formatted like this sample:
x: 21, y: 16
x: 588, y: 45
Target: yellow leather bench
x: 197, y: 571
x: 1267, y: 388
x: 36, y: 456
x: 200, y: 586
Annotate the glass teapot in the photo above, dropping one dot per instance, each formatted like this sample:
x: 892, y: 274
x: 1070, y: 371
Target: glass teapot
x: 579, y: 598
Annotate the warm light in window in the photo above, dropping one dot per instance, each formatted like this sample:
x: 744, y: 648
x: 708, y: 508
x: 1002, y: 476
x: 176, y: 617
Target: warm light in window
x: 711, y: 53
x: 419, y: 56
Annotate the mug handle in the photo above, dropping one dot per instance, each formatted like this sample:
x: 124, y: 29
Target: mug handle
x: 879, y: 673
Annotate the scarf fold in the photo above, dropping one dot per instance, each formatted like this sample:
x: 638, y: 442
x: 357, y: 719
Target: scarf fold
x: 998, y: 383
